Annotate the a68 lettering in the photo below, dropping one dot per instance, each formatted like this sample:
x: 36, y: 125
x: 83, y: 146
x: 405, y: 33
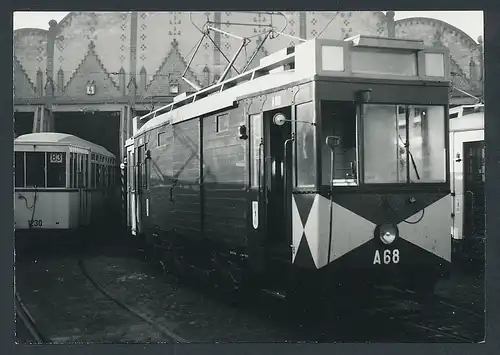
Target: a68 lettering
x: 387, y: 257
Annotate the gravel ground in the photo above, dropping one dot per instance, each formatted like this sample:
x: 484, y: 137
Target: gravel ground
x: 68, y: 308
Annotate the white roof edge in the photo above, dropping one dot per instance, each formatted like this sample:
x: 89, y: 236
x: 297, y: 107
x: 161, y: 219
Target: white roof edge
x: 55, y: 138
x: 221, y: 100
x: 473, y: 121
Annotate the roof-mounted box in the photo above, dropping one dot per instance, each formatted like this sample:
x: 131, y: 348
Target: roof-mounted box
x: 385, y: 42
x: 372, y: 57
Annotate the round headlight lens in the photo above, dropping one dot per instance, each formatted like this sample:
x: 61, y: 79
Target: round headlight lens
x: 387, y: 237
x: 387, y: 234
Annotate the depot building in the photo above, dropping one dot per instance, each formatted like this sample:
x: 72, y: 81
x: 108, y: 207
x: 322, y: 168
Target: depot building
x: 92, y: 72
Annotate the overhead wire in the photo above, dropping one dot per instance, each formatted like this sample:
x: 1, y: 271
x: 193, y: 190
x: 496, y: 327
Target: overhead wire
x: 328, y: 24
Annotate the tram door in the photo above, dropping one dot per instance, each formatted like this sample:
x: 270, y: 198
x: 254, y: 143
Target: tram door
x: 473, y: 180
x: 131, y: 207
x: 274, y: 165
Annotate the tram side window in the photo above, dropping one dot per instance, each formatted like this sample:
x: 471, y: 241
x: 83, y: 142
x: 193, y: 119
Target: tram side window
x: 85, y: 170
x: 145, y: 169
x: 80, y: 171
x: 71, y: 170
x: 338, y: 119
x: 56, y: 169
x: 104, y: 175
x: 98, y: 175
x: 256, y: 132
x: 19, y: 169
x: 306, y: 167
x: 93, y: 175
x: 133, y: 171
x: 139, y: 168
x: 35, y: 169
x: 75, y: 170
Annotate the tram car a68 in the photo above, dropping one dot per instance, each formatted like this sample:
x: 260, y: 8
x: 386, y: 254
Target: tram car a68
x: 467, y: 156
x: 326, y: 165
x: 62, y: 183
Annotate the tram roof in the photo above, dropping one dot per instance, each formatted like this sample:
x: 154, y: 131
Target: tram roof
x: 306, y: 59
x: 223, y: 99
x: 472, y: 121
x: 53, y: 138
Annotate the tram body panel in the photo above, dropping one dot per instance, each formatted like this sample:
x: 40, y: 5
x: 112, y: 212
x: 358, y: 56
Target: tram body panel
x: 45, y: 215
x: 389, y: 189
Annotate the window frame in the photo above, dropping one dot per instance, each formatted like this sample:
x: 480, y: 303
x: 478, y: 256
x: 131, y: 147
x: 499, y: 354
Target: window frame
x: 408, y: 182
x: 295, y: 130
x: 354, y: 182
x: 65, y: 155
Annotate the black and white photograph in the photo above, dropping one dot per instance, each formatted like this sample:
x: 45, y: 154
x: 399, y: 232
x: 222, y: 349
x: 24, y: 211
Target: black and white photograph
x: 249, y: 177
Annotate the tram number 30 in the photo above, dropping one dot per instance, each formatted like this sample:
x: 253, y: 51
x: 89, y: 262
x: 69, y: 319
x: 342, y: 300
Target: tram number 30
x: 35, y: 223
x: 386, y: 257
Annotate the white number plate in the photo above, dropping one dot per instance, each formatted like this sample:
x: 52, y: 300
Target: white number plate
x: 35, y: 223
x: 386, y: 256
x: 56, y: 157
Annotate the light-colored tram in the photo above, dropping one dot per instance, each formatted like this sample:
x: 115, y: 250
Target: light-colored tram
x: 62, y: 182
x: 324, y: 164
x: 467, y: 155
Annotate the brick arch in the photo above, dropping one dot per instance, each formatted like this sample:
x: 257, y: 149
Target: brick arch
x: 462, y: 47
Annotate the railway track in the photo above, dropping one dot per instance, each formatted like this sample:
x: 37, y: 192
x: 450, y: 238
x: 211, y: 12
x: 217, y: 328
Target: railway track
x: 164, y: 330
x: 28, y: 330
x: 438, y: 333
x: 23, y: 315
x: 428, y: 318
x: 442, y: 301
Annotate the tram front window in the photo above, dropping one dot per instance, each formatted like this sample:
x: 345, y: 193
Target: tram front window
x: 399, y: 139
x: 35, y: 169
x: 56, y: 169
x: 339, y: 119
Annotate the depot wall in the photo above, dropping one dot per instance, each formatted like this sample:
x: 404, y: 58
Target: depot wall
x: 141, y: 54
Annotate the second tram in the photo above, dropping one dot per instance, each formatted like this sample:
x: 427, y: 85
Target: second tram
x: 62, y: 182
x: 467, y: 153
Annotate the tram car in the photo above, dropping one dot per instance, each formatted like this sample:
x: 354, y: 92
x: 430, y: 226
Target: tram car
x: 62, y: 183
x: 326, y: 165
x: 467, y: 156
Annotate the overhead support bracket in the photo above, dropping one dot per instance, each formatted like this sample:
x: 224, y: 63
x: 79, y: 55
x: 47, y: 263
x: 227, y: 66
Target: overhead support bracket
x: 257, y: 51
x: 244, y: 42
x: 196, y: 87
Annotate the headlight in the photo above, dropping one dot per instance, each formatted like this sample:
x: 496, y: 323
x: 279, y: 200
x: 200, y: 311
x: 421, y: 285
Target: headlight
x: 387, y: 233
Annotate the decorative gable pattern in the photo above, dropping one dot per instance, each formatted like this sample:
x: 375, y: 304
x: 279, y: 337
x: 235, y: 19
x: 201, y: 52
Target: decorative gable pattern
x: 170, y: 72
x: 23, y: 86
x: 91, y: 70
x: 30, y: 49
